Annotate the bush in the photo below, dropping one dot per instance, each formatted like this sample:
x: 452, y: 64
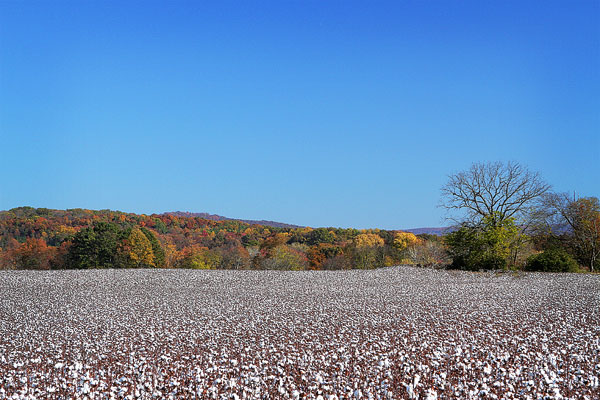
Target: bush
x: 492, y: 262
x: 553, y: 260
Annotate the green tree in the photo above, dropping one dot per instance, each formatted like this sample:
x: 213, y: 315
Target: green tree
x: 96, y: 247
x: 488, y: 246
x: 320, y: 235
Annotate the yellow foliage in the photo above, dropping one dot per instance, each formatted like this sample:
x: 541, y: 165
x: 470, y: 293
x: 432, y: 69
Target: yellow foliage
x: 403, y: 240
x: 389, y: 261
x: 368, y: 240
x: 66, y: 230
x: 172, y: 256
x: 140, y: 249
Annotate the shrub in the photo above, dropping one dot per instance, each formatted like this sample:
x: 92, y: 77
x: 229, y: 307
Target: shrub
x: 491, y: 261
x: 553, y: 260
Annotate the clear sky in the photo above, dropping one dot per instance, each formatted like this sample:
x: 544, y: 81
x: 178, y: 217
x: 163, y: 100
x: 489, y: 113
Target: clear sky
x: 319, y: 113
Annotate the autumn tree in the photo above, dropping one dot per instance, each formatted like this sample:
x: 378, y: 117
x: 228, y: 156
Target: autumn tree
x: 197, y: 257
x: 403, y: 240
x: 367, y: 251
x: 6, y: 256
x: 320, y: 253
x: 234, y: 257
x: 575, y: 222
x: 367, y: 240
x: 32, y: 254
x: 269, y: 244
x: 282, y: 257
x: 157, y: 250
x: 138, y: 250
x: 172, y: 255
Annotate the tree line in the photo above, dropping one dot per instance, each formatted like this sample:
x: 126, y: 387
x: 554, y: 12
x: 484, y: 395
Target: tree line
x: 39, y: 238
x: 504, y: 217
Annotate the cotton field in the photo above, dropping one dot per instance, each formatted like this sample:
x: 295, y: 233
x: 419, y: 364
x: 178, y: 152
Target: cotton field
x: 396, y: 333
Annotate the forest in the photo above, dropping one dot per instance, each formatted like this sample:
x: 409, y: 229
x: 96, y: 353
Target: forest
x: 41, y: 238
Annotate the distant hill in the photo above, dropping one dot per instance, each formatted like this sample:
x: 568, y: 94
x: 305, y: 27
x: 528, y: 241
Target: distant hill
x: 439, y: 231
x: 215, y: 217
x: 430, y: 231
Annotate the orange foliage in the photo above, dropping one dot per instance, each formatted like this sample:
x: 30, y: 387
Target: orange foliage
x: 33, y: 254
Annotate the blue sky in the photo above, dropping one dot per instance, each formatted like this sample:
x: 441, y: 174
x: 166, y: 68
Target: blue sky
x: 319, y: 113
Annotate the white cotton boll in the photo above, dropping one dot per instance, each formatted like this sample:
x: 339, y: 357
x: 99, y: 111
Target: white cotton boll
x: 557, y: 394
x: 319, y: 379
x: 410, y: 391
x: 431, y: 395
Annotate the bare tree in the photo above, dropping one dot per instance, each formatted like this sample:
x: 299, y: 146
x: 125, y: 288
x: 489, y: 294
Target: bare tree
x: 494, y: 190
x: 574, y: 220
